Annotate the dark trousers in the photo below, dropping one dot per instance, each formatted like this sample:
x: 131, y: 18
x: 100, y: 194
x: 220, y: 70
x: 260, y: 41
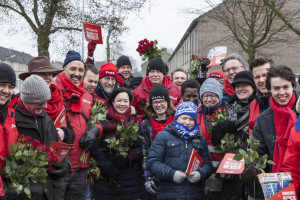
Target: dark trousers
x: 76, y: 185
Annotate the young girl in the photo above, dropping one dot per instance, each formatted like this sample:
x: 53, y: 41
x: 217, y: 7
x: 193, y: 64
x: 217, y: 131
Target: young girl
x: 121, y: 178
x: 170, y: 152
x: 160, y: 112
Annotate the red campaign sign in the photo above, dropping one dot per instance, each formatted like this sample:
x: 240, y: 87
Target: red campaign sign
x: 231, y: 166
x: 92, y: 32
x: 288, y: 193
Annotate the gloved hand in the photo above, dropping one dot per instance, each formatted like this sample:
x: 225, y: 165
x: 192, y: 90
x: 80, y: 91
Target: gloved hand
x: 204, y: 65
x: 219, y: 130
x: 194, y: 177
x: 91, y: 48
x: 60, y: 169
x: 88, y: 139
x: 250, y: 175
x: 179, y: 177
x: 151, y: 187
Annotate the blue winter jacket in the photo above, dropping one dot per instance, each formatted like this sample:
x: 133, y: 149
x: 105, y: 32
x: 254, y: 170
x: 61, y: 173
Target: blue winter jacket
x: 169, y: 153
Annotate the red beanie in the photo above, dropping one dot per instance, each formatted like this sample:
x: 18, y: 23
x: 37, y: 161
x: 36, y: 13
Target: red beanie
x: 216, y: 74
x: 120, y: 79
x: 108, y: 69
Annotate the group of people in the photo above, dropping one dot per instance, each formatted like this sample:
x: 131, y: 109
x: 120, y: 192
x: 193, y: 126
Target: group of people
x: 173, y: 114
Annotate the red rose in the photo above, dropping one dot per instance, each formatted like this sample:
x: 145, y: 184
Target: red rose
x: 95, y: 174
x: 35, y: 143
x: 20, y: 137
x: 27, y: 139
x: 141, y: 42
x: 151, y: 43
x: 251, y: 125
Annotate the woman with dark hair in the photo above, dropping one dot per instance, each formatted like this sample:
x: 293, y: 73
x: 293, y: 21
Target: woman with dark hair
x: 121, y: 178
x: 160, y: 112
x: 237, y: 124
x: 273, y: 126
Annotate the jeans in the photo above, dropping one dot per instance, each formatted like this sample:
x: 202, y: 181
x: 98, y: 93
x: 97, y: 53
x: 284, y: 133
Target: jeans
x: 76, y: 184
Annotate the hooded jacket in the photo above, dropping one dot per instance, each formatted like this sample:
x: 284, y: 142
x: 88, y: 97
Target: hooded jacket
x: 169, y: 153
x: 141, y: 94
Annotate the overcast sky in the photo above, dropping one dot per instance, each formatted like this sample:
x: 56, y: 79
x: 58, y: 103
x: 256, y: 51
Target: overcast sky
x: 163, y: 21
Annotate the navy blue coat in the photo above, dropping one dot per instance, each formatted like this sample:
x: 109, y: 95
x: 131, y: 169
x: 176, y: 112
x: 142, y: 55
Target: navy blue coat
x: 169, y: 153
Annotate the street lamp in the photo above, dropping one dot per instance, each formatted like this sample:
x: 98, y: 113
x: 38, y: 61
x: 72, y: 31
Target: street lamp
x: 9, y: 57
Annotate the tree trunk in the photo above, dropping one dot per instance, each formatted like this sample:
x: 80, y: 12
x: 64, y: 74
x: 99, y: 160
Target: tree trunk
x: 108, y: 46
x: 251, y: 54
x: 43, y: 44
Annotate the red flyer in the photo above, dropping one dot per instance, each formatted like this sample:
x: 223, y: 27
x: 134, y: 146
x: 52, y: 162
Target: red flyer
x: 93, y: 32
x: 63, y: 149
x: 195, y: 162
x: 217, y: 54
x: 277, y: 186
x: 61, y: 119
x: 231, y: 166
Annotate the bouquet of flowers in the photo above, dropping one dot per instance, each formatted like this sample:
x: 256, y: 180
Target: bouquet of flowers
x: 228, y: 143
x: 93, y: 171
x: 127, y: 138
x: 195, y: 66
x: 27, y: 164
x: 98, y: 115
x: 148, y: 49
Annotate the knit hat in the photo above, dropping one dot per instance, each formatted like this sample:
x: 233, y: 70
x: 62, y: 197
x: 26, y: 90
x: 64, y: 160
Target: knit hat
x: 72, y: 55
x: 120, y: 79
x: 216, y: 74
x: 35, y: 90
x: 244, y: 77
x: 158, y: 64
x: 108, y: 69
x: 159, y: 91
x: 187, y: 108
x: 136, y: 81
x: 211, y: 85
x: 7, y: 74
x: 40, y: 64
x: 123, y: 60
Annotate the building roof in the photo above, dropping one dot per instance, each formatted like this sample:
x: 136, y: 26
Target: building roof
x: 14, y: 56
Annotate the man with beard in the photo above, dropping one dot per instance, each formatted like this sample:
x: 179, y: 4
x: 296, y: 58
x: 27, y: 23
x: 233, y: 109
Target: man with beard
x: 7, y: 125
x: 78, y: 103
x: 91, y: 78
x: 231, y: 65
x: 107, y: 82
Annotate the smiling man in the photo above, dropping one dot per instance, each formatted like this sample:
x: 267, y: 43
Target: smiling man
x: 91, y: 78
x: 125, y: 68
x: 78, y: 103
x: 107, y: 82
x: 156, y: 74
x: 231, y: 65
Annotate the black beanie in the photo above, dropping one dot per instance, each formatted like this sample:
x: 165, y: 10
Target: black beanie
x: 158, y: 64
x: 159, y: 91
x: 123, y: 60
x: 7, y: 74
x: 72, y: 55
x: 136, y: 81
x: 244, y: 77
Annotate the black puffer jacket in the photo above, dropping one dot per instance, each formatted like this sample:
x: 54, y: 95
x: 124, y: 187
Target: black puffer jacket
x: 121, y: 178
x: 42, y: 129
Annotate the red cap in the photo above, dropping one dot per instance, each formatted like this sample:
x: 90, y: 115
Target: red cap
x: 108, y: 69
x: 120, y: 80
x: 216, y: 74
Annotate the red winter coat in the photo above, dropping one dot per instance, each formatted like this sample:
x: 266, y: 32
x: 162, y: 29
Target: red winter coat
x: 291, y: 161
x: 78, y: 123
x: 141, y: 93
x: 8, y: 136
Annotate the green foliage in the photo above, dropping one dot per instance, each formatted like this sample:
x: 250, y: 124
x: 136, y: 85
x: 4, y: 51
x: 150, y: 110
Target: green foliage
x: 98, y: 113
x: 93, y: 171
x: 228, y: 144
x: 195, y: 66
x: 251, y: 156
x: 128, y: 137
x: 24, y: 165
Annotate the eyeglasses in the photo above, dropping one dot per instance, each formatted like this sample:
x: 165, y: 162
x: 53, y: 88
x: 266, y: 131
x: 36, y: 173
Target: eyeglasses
x: 42, y: 103
x: 234, y: 68
x: 155, y: 103
x: 213, y: 96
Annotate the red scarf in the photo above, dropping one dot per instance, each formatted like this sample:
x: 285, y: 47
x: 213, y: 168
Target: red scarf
x: 228, y: 88
x: 55, y: 104
x: 20, y: 102
x: 158, y: 127
x: 72, y: 92
x: 284, y: 118
x: 115, y: 119
x: 165, y: 82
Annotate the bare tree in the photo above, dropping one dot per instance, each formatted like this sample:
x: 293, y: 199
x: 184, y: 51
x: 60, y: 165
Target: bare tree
x: 62, y: 18
x: 286, y: 18
x: 252, y: 24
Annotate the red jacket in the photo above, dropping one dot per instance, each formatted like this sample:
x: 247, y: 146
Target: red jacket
x: 291, y: 161
x: 78, y: 123
x: 8, y: 136
x: 141, y: 93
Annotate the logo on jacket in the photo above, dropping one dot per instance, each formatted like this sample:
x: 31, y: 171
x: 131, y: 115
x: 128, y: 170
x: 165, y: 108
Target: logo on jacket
x: 86, y: 101
x: 13, y: 126
x: 174, y: 98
